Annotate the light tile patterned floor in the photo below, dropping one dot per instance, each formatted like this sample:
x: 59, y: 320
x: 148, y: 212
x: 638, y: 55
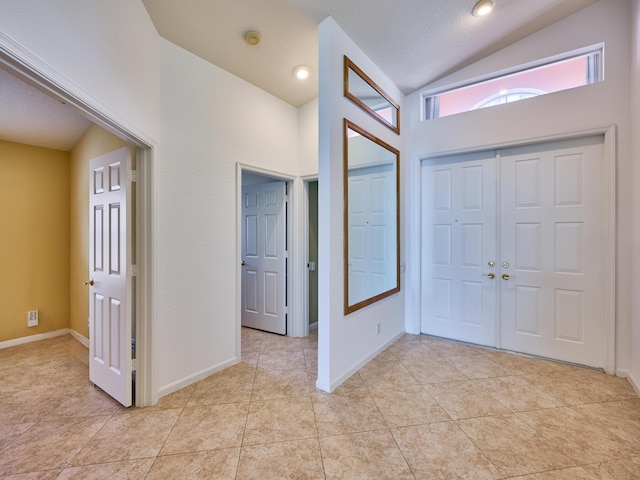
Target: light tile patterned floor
x: 425, y: 408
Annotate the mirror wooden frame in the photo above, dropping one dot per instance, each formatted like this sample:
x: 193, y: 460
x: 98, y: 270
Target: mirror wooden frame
x: 349, y: 308
x: 349, y: 65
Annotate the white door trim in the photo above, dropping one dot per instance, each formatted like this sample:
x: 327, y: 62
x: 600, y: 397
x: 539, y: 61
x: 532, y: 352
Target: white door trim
x: 610, y: 139
x: 295, y: 318
x: 29, y: 68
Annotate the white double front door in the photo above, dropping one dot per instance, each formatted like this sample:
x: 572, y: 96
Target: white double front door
x: 512, y: 249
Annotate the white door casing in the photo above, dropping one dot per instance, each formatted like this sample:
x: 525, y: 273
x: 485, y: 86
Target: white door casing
x: 264, y: 257
x: 458, y: 243
x: 110, y: 363
x: 549, y: 246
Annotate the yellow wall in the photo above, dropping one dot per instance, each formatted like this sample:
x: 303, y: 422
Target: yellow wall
x: 95, y: 142
x: 34, y: 239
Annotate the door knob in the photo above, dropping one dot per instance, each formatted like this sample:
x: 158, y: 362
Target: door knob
x: 89, y: 282
x: 490, y: 275
x: 243, y: 264
x: 506, y: 276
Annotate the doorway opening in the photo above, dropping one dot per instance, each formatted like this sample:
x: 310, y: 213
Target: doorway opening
x: 31, y: 70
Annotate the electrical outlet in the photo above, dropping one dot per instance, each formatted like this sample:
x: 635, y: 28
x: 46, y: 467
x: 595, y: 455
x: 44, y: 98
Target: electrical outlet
x: 32, y: 318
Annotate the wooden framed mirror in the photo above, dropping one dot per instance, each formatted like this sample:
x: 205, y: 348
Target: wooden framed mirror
x: 365, y: 93
x: 371, y: 218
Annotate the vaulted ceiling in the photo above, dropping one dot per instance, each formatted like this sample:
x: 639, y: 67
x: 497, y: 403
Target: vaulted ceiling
x: 413, y: 41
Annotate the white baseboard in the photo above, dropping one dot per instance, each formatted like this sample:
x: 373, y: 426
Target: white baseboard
x: 183, y: 382
x: 336, y: 383
x: 34, y: 338
x: 81, y: 338
x: 634, y: 383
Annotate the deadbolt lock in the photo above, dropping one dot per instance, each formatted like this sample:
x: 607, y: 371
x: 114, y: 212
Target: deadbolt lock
x: 505, y: 264
x: 492, y: 263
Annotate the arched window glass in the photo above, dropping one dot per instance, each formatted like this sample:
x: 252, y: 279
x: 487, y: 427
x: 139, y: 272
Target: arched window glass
x: 508, y: 96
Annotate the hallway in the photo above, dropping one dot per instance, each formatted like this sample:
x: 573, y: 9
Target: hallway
x: 425, y: 408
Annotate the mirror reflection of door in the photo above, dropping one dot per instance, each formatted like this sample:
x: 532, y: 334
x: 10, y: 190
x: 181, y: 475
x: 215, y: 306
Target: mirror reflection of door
x: 371, y: 232
x: 371, y: 225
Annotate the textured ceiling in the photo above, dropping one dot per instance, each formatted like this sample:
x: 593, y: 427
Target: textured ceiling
x: 413, y: 41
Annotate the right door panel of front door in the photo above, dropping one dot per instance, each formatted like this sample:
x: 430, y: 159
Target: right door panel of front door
x: 552, y: 238
x: 546, y: 297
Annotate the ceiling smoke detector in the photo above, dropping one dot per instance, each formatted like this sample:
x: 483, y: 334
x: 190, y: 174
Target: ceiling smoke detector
x: 252, y: 37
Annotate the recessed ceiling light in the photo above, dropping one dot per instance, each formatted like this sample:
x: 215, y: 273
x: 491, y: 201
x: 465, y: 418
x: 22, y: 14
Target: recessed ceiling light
x: 482, y: 8
x: 301, y: 72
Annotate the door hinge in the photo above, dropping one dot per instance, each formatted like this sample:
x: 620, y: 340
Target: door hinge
x: 132, y: 175
x: 133, y: 270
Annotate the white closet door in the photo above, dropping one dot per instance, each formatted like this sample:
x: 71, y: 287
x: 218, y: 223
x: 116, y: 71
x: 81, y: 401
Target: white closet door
x: 552, y: 239
x: 458, y: 243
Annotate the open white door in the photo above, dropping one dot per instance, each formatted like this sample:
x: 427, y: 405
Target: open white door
x: 110, y: 363
x: 264, y: 257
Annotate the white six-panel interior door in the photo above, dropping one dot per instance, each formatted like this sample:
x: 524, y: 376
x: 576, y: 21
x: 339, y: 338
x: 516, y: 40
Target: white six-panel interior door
x: 110, y: 359
x: 512, y: 249
x: 264, y: 257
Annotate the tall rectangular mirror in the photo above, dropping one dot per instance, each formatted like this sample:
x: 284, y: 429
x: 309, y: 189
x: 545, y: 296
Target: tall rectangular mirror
x: 371, y: 219
x: 365, y: 93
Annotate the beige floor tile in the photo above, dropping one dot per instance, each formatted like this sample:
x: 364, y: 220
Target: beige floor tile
x: 513, y: 447
x: 477, y: 366
x: 233, y: 385
x: 574, y: 434
x: 216, y: 464
x: 44, y: 475
x: 465, y: 399
x: 47, y: 404
x: 354, y: 412
x: 87, y: 402
x: 364, y: 456
x: 411, y: 405
x: 388, y: 374
x: 8, y: 433
x: 131, y: 469
x: 448, y: 348
x: 55, y: 441
x: 412, y: 352
x: 299, y: 459
x: 272, y: 384
x: 517, y: 394
x: 280, y: 420
x: 441, y: 451
x: 207, y: 427
x: 434, y: 370
x: 128, y: 436
x: 520, y: 364
x: 574, y: 473
x: 625, y: 469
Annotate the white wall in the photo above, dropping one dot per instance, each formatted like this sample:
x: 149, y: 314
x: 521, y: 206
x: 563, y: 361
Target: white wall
x: 345, y: 343
x: 108, y: 49
x: 634, y: 360
x: 210, y: 120
x: 308, y: 128
x: 592, y: 107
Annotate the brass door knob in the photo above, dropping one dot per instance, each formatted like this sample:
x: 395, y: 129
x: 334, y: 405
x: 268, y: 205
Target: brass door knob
x: 89, y: 282
x: 506, y: 276
x: 490, y: 275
